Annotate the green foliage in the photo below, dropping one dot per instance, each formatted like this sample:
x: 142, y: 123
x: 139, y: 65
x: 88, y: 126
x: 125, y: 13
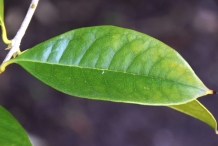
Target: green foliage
x: 113, y: 64
x: 11, y: 132
x: 197, y: 110
x: 116, y: 64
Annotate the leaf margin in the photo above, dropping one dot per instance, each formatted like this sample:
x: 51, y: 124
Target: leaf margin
x: 14, y: 128
x: 208, y: 119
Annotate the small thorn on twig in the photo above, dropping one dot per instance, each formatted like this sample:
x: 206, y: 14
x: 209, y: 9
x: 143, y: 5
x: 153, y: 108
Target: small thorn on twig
x: 9, y: 47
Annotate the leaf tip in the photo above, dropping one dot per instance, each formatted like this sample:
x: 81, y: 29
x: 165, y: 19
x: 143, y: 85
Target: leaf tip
x: 211, y: 92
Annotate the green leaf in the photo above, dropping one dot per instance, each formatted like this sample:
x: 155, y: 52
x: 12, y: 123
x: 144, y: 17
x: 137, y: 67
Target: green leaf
x: 197, y: 110
x: 113, y: 64
x: 11, y: 132
x: 1, y: 11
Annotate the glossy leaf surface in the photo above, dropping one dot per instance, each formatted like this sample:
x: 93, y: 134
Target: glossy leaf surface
x: 11, y: 132
x: 197, y: 110
x: 1, y: 11
x: 113, y: 64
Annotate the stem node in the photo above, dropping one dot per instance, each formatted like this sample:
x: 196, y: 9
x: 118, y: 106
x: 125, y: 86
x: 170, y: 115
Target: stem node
x: 14, y: 44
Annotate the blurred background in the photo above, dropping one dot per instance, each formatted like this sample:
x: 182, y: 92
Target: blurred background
x: 56, y: 119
